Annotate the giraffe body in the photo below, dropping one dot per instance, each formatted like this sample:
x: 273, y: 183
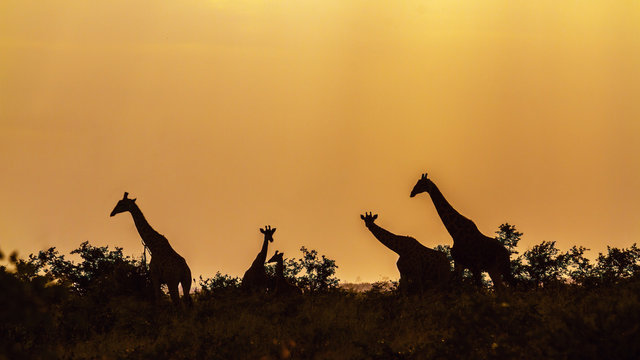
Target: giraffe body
x: 471, y: 249
x: 166, y: 265
x: 255, y: 279
x: 420, y: 268
x: 281, y: 287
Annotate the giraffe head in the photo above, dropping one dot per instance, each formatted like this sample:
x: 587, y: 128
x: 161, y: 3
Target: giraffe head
x: 423, y: 185
x: 276, y: 257
x: 268, y: 232
x: 368, y: 218
x: 123, y: 205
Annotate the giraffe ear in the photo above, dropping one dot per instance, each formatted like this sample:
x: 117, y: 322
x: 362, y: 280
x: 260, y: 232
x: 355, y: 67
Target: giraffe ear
x: 262, y: 231
x: 273, y: 230
x: 125, y: 195
x: 134, y: 200
x: 375, y: 216
x: 361, y: 216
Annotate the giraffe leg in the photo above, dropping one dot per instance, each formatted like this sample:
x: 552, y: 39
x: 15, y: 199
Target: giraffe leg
x: 156, y: 281
x: 403, y: 285
x: 411, y: 286
x: 458, y: 272
x: 157, y: 292
x: 506, y: 273
x: 477, y: 277
x: 414, y: 284
x: 496, y: 277
x: 173, y: 291
x: 186, y: 288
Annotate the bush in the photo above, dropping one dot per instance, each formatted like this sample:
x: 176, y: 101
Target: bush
x: 217, y: 285
x: 310, y: 273
x: 102, y: 273
x: 29, y: 310
x: 617, y: 265
x: 54, y: 308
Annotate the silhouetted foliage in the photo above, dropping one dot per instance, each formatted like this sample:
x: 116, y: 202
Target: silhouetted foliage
x: 447, y: 250
x: 579, y: 268
x: 509, y: 237
x: 54, y: 308
x: 319, y: 273
x: 310, y: 273
x: 544, y: 264
x: 617, y: 264
x: 219, y: 282
x: 28, y: 304
x: 101, y: 273
x: 383, y: 286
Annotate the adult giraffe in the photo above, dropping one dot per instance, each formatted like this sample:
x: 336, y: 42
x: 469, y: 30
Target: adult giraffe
x: 166, y: 265
x: 471, y: 249
x: 420, y: 268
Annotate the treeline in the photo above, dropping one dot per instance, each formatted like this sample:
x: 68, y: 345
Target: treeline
x: 545, y: 265
x: 46, y: 299
x: 542, y: 265
x: 311, y: 273
x: 563, y: 306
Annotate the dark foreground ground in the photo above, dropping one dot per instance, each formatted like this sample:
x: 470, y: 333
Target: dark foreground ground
x: 565, y: 322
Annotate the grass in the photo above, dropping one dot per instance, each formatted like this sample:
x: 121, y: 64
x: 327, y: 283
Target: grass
x: 564, y: 322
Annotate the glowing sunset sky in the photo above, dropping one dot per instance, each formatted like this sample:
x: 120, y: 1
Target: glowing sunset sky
x: 224, y: 116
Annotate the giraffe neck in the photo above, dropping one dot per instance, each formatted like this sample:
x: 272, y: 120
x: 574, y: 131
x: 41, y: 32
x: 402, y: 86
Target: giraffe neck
x: 262, y: 255
x: 152, y: 239
x: 387, y: 238
x: 453, y: 221
x: 280, y: 269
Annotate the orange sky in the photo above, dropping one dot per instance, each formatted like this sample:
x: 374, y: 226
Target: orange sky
x: 224, y: 116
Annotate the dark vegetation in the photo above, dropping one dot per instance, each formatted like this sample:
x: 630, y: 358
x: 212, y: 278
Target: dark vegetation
x: 563, y: 307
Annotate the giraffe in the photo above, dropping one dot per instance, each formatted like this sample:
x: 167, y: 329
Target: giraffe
x: 255, y: 278
x: 281, y: 285
x: 166, y: 265
x: 420, y: 268
x: 471, y: 249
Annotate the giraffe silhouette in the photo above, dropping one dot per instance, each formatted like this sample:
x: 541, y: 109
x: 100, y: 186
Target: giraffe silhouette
x: 166, y: 265
x: 471, y: 249
x: 255, y: 278
x: 281, y: 286
x: 420, y: 268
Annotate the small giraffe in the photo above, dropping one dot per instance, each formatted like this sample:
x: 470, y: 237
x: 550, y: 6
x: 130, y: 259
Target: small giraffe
x: 166, y: 265
x: 255, y: 278
x: 420, y: 268
x: 281, y: 285
x: 471, y: 249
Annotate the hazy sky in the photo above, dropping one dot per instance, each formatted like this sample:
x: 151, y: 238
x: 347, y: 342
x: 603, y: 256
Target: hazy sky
x: 224, y: 116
